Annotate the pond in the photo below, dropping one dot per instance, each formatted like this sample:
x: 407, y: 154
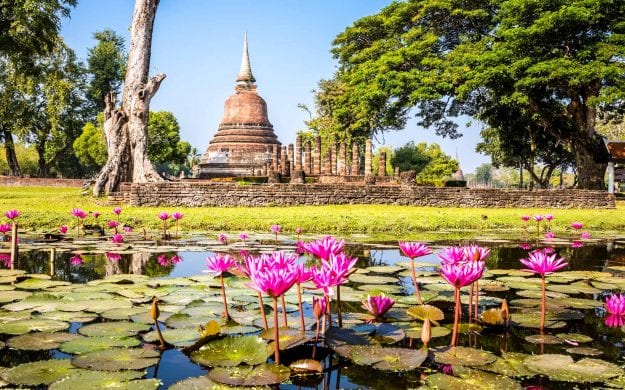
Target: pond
x: 66, y: 301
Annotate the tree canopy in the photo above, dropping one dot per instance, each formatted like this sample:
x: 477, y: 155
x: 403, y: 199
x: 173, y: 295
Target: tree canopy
x: 106, y: 63
x: 549, y: 64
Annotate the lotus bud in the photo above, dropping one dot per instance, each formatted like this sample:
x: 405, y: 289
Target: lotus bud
x: 426, y: 332
x: 505, y: 312
x: 154, y: 311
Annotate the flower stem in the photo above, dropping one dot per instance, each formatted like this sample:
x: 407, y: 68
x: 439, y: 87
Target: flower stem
x: 223, y: 296
x: 284, y: 319
x: 414, y: 282
x: 262, y: 310
x: 338, y: 306
x: 454, y: 336
x: 543, y: 306
x: 276, y: 335
x: 477, y: 298
x: 301, y: 310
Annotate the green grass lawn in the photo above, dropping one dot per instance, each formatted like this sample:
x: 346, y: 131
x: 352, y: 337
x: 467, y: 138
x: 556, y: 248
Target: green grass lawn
x: 46, y: 208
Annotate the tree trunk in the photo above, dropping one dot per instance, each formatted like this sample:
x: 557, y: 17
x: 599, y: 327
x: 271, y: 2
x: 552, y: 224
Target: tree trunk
x: 9, y: 149
x: 589, y: 172
x: 125, y: 127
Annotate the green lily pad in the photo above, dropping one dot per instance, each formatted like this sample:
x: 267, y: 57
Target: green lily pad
x: 32, y: 325
x: 113, y: 329
x: 385, y: 288
x: 289, y: 337
x: 40, y: 341
x: 585, y: 351
x: 388, y: 333
x: 261, y: 375
x: 385, y: 269
x: 392, y: 359
x: 543, y: 339
x: 40, y: 302
x: 563, y: 368
x: 91, y: 379
x: 232, y: 351
x: 90, y: 344
x: 117, y: 359
x: 510, y: 364
x: 123, y: 313
x: 13, y: 296
x: 372, y: 279
x: 493, y: 317
x: 40, y: 284
x: 67, y: 316
x: 181, y: 320
x: 463, y: 356
x: 436, y: 331
x: 577, y: 337
x: 474, y: 380
x: 100, y: 306
x: 180, y: 337
x: 202, y: 383
x: 8, y: 316
x: 39, y: 373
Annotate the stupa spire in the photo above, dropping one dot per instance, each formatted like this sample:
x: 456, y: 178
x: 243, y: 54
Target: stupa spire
x: 245, y: 79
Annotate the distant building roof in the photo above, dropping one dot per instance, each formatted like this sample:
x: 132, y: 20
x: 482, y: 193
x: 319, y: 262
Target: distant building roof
x: 616, y: 150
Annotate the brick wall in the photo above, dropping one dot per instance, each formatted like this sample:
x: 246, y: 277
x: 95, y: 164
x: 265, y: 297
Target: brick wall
x: 200, y: 193
x: 36, y: 181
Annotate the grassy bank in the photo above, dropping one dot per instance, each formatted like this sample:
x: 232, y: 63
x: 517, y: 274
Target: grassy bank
x: 46, y: 208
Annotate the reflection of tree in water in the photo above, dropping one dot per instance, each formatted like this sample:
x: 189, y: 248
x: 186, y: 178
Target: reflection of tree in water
x: 154, y: 269
x: 82, y: 273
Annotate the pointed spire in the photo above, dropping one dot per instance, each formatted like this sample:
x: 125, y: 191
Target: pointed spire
x: 245, y: 79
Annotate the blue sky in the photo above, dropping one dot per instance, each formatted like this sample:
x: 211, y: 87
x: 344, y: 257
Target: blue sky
x: 198, y: 44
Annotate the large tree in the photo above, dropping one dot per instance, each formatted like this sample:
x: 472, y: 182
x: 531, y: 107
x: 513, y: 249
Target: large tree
x: 552, y: 62
x: 126, y: 126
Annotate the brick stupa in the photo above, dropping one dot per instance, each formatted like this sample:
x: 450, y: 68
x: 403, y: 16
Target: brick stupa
x: 245, y: 138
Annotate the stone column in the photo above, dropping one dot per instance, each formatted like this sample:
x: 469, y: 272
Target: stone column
x: 610, y: 177
x: 368, y: 158
x: 275, y: 153
x: 289, y: 164
x: 333, y: 159
x: 307, y: 159
x: 327, y: 163
x: 382, y: 165
x: 317, y: 156
x: 298, y: 153
x: 283, y: 160
x: 342, y: 165
x: 355, y: 159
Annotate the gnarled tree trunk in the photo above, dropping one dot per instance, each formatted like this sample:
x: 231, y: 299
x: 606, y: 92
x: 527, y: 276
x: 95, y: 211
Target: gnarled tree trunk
x: 125, y: 127
x: 9, y: 148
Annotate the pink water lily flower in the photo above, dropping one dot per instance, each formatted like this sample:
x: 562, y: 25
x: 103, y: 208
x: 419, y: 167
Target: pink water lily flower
x: 163, y: 216
x: 615, y: 304
x: 176, y: 216
x: 79, y: 213
x: 585, y: 236
x: 127, y: 229
x: 549, y: 217
x: 162, y: 260
x: 76, y: 260
x: 325, y: 247
x: 219, y: 263
x: 5, y: 260
x: 462, y: 274
x: 332, y: 273
x: 577, y: 244
x: 525, y: 246
x: 223, y: 238
x: 274, y: 281
x: 298, y: 230
x: 243, y: 236
x: 542, y: 263
x: 614, y: 321
x: 538, y: 217
x: 63, y: 229
x: 112, y: 224
x: 476, y: 253
x: 12, y: 214
x: 113, y: 256
x: 550, y: 235
x: 175, y: 259
x: 414, y: 249
x: 117, y: 238
x: 117, y: 210
x: 378, y: 305
x: 525, y: 218
x: 276, y: 229
x: 452, y: 255
x: 5, y: 228
x: 577, y: 225
x: 95, y: 214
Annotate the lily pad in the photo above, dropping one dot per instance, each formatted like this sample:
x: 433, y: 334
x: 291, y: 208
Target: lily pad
x: 543, y: 339
x: 289, y: 337
x: 584, y: 351
x: 385, y: 269
x: 32, y: 325
x: 392, y: 359
x: 180, y: 337
x: 436, y: 331
x: 563, y: 368
x: 423, y: 312
x: 463, y: 356
x: 113, y: 329
x: 117, y: 359
x: 40, y: 341
x: 576, y: 337
x: 13, y: 296
x: 91, y: 379
x: 474, y: 380
x: 372, y: 279
x: 306, y: 366
x: 510, y: 364
x: 91, y: 344
x: 203, y: 383
x: 232, y: 351
x: 493, y: 317
x: 39, y: 373
x: 261, y: 375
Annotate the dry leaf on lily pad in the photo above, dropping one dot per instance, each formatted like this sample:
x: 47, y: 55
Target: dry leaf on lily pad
x: 563, y: 368
x: 261, y: 375
x: 423, y: 312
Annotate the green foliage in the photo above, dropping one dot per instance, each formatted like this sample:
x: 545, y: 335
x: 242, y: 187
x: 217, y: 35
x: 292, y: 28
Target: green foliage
x: 375, y: 160
x: 516, y: 65
x: 409, y: 157
x: 428, y: 161
x: 26, y: 155
x: 90, y: 146
x: 106, y: 63
x: 484, y: 174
